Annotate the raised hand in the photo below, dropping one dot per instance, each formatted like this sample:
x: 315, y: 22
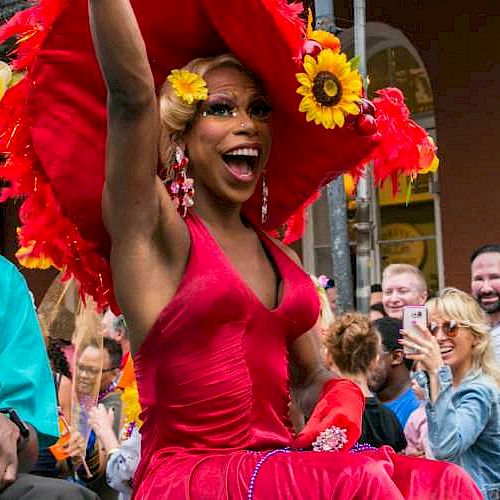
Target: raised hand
x: 75, y: 448
x: 426, y: 347
x: 101, y: 421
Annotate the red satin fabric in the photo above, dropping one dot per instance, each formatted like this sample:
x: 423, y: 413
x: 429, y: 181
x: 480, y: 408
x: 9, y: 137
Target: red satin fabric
x: 341, y: 404
x: 213, y: 384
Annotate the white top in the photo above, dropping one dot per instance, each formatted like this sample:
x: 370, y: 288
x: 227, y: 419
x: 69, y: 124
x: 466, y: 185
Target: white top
x: 495, y: 340
x: 122, y: 464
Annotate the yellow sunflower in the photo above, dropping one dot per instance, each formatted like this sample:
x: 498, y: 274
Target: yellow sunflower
x: 331, y: 89
x: 188, y: 86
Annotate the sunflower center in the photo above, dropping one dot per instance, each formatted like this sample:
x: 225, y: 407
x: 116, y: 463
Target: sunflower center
x: 327, y: 89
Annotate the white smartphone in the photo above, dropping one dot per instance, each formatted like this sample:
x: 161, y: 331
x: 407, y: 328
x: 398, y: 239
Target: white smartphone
x: 413, y: 315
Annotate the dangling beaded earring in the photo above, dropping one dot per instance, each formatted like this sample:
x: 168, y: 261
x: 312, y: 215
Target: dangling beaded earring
x: 265, y: 194
x: 181, y: 187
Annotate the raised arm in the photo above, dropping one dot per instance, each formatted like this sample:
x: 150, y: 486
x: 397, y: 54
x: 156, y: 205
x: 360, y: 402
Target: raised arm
x: 132, y: 197
x: 150, y: 243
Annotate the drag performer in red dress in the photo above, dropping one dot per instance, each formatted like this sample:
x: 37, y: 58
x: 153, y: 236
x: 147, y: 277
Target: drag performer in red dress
x: 219, y: 311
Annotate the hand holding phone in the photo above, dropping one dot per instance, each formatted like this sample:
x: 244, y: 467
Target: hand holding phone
x: 412, y: 316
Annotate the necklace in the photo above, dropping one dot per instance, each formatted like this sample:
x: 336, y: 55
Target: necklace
x: 260, y: 463
x: 111, y: 387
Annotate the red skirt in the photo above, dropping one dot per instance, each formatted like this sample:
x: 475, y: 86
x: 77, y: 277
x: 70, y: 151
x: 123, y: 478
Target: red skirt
x: 296, y: 475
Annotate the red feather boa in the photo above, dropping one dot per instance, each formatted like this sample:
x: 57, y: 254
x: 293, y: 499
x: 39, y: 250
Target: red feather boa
x: 45, y: 227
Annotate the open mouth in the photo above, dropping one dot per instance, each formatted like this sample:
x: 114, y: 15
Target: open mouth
x: 445, y: 350
x: 489, y: 300
x: 242, y: 162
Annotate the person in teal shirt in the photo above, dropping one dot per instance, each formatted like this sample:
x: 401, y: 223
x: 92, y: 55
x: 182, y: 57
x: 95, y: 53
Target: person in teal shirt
x: 26, y: 391
x: 26, y: 382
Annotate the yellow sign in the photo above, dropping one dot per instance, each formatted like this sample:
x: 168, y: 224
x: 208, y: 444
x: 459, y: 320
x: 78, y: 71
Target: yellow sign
x: 402, y: 252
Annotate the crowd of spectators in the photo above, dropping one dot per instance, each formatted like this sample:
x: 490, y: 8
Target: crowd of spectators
x: 445, y: 397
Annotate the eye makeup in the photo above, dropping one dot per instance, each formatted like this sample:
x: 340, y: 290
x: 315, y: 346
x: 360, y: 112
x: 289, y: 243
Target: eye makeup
x: 226, y: 106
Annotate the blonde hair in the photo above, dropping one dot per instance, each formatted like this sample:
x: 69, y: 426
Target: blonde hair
x: 326, y: 313
x: 353, y: 343
x: 452, y: 303
x: 175, y: 115
x: 395, y: 269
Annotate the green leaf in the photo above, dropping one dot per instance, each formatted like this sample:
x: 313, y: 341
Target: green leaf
x: 409, y: 189
x: 17, y: 76
x: 354, y: 62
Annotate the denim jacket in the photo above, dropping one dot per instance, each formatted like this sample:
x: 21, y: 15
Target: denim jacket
x: 464, y: 426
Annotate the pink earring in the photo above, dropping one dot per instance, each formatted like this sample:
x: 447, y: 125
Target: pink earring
x: 181, y: 187
x: 265, y: 194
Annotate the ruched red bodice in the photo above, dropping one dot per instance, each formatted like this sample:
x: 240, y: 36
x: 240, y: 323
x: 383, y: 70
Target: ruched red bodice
x: 213, y: 383
x: 215, y: 362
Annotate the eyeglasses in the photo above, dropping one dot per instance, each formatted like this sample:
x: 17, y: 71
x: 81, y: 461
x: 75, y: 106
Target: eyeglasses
x: 450, y: 328
x: 88, y: 369
x: 94, y: 371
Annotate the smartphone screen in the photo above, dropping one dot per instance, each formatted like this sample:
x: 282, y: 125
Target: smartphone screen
x: 414, y: 315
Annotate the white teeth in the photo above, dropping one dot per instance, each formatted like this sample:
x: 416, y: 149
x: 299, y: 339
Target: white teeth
x: 244, y: 152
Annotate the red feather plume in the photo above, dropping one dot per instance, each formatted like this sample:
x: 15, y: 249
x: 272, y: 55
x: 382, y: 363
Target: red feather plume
x: 45, y: 228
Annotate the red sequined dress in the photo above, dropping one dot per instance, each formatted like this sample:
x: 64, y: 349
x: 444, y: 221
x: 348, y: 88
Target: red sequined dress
x: 213, y: 380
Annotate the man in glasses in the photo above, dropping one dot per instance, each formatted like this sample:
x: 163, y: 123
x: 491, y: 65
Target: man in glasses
x: 390, y: 379
x: 402, y: 285
x: 485, y: 287
x: 89, y: 363
x: 97, y: 371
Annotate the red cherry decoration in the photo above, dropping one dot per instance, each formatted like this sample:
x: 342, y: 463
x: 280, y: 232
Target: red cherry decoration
x: 311, y: 48
x: 367, y: 107
x: 366, y: 124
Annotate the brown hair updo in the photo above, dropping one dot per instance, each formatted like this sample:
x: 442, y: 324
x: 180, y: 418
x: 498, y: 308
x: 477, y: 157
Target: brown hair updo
x: 353, y: 343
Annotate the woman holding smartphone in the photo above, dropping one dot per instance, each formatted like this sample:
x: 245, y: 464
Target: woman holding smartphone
x: 461, y: 385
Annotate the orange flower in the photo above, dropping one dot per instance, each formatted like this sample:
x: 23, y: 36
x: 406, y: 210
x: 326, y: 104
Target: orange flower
x: 429, y: 162
x: 27, y: 257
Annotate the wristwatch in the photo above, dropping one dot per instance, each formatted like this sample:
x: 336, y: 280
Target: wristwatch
x: 24, y: 430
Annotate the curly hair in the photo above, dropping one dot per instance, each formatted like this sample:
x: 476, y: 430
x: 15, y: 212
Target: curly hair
x: 56, y: 356
x: 353, y: 343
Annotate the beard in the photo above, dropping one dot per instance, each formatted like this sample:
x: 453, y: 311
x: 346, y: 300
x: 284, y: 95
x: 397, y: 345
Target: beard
x: 489, y: 308
x: 377, y: 381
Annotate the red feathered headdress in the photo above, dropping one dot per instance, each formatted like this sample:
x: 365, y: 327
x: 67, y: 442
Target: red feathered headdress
x: 53, y: 122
